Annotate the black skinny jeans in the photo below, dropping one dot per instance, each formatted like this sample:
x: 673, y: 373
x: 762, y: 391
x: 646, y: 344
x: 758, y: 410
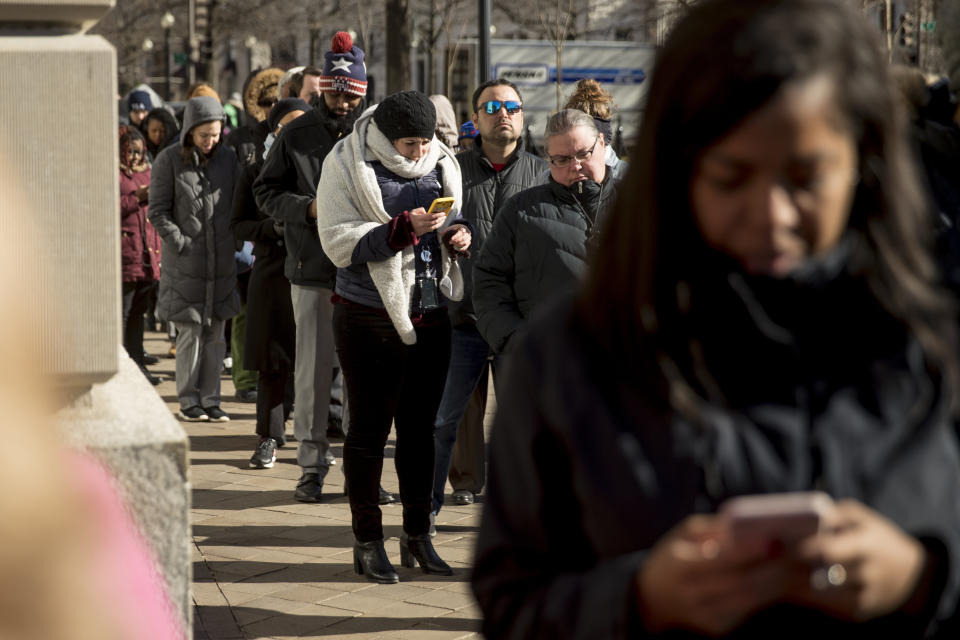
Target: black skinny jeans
x: 274, y: 403
x: 388, y: 381
x: 136, y: 301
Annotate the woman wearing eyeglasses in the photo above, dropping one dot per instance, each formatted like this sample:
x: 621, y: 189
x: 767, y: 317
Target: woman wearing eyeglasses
x: 538, y: 245
x: 139, y: 243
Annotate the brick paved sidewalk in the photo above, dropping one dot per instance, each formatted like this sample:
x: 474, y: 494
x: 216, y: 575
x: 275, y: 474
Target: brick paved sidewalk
x: 267, y: 566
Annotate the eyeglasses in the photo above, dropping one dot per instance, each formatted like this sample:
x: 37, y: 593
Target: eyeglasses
x: 135, y: 152
x: 491, y: 107
x: 579, y: 156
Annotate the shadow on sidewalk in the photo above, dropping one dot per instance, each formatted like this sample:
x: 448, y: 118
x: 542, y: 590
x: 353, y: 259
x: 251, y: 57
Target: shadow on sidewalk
x: 273, y: 535
x: 242, y: 499
x: 334, y: 571
x: 259, y: 623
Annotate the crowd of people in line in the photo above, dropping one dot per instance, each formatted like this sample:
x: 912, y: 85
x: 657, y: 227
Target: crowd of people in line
x: 309, y: 226
x: 759, y: 304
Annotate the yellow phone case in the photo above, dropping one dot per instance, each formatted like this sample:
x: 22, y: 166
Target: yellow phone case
x: 441, y: 205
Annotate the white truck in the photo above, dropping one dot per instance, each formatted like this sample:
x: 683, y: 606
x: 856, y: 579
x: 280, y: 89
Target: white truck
x: 623, y: 68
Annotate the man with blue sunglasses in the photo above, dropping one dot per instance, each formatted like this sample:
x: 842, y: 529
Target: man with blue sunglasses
x: 492, y: 107
x: 494, y: 169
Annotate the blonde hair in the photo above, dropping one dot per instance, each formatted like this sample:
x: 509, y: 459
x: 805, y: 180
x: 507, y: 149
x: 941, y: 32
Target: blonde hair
x: 562, y: 121
x: 198, y: 89
x: 592, y: 99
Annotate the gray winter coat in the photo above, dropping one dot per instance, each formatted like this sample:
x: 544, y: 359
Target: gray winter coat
x: 190, y: 206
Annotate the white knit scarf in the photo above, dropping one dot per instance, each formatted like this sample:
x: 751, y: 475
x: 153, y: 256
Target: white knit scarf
x: 350, y: 204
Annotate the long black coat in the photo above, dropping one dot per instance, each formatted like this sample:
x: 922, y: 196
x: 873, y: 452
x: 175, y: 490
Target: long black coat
x: 286, y: 186
x: 271, y: 332
x: 588, y: 468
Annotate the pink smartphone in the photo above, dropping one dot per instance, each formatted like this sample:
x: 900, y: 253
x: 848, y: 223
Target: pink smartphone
x: 786, y: 517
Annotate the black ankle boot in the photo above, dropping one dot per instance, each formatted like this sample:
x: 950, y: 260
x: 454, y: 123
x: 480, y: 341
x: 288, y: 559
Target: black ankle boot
x: 421, y: 548
x: 370, y: 559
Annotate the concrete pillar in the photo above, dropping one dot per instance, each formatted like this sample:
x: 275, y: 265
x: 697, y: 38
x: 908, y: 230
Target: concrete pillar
x: 58, y: 134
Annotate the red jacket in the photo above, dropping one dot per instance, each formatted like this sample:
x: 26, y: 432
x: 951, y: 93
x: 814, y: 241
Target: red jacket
x: 136, y: 232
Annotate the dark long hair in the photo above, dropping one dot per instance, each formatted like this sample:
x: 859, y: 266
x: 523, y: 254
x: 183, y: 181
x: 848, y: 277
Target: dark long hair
x: 723, y: 61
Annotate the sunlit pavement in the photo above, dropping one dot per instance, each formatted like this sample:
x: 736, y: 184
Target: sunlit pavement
x: 267, y: 566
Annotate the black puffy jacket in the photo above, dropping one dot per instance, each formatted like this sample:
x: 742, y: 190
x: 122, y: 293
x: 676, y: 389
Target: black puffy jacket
x: 536, y: 249
x: 485, y: 190
x: 287, y: 185
x: 589, y: 467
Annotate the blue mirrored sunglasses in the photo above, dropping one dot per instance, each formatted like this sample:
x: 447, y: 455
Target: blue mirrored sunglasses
x: 493, y: 106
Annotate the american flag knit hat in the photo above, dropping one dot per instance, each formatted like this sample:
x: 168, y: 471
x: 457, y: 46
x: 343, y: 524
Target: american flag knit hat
x: 343, y: 68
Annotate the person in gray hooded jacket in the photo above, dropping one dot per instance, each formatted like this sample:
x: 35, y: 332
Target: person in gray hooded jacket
x: 191, y: 194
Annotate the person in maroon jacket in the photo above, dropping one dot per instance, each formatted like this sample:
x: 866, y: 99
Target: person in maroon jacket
x: 139, y: 243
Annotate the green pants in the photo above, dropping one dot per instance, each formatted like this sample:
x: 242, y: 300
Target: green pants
x: 243, y: 379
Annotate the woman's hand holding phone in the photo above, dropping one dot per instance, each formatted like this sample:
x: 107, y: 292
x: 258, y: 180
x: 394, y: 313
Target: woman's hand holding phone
x: 692, y: 580
x: 882, y: 567
x: 858, y: 566
x: 424, y: 222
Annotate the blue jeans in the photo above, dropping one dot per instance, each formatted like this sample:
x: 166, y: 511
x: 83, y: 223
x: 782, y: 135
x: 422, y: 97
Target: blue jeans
x: 468, y: 360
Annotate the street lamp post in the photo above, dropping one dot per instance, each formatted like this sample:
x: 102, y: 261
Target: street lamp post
x: 147, y: 47
x: 167, y: 22
x: 484, y: 53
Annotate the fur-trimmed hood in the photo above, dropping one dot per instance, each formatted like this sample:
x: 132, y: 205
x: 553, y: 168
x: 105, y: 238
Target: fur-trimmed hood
x: 261, y: 84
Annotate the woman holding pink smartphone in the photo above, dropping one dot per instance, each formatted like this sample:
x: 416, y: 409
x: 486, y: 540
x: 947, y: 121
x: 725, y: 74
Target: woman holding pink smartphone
x: 762, y: 317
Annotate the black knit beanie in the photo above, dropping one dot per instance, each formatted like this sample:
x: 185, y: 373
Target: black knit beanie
x: 282, y: 108
x: 408, y: 114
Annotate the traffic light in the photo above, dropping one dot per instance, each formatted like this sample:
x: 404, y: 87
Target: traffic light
x: 907, y: 36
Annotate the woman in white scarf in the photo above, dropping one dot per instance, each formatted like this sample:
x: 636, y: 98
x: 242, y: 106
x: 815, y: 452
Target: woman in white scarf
x: 397, y: 266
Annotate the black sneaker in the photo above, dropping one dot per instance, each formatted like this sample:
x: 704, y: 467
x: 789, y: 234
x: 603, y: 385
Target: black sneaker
x: 308, y: 488
x: 149, y: 359
x: 265, y: 455
x: 385, y: 497
x: 193, y: 414
x: 247, y: 395
x: 216, y: 414
x: 152, y: 379
x: 335, y: 429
